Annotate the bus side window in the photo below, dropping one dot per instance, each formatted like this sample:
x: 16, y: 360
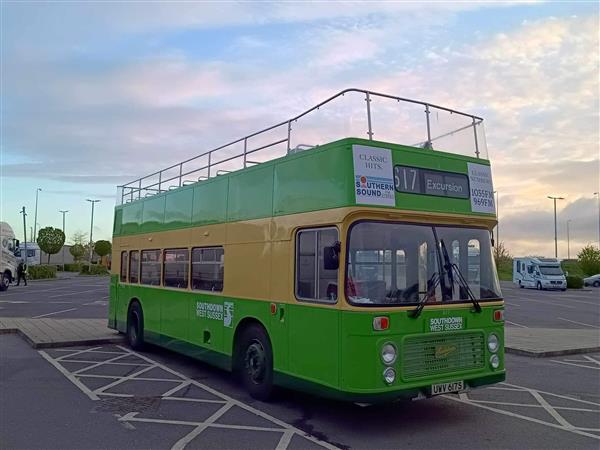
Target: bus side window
x: 150, y: 267
x: 175, y: 271
x: 313, y: 281
x: 208, y: 269
x: 134, y: 266
x: 123, y: 275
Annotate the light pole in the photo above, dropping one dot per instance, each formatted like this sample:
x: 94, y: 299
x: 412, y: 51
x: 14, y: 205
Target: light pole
x: 497, y: 217
x: 63, y: 212
x: 568, y: 241
x: 597, y: 194
x: 555, y: 236
x: 24, y: 234
x: 37, y: 191
x: 91, y: 227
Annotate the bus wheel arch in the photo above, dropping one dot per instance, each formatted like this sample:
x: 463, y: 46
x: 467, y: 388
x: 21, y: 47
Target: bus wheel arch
x: 252, y: 360
x: 135, y: 325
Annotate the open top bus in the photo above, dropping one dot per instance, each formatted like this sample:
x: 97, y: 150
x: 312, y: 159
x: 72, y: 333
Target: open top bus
x: 352, y: 267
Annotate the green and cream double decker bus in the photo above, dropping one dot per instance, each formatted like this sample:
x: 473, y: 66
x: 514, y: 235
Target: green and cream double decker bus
x: 312, y: 255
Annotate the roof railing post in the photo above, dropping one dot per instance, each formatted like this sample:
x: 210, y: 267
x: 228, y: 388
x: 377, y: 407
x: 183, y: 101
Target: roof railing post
x: 475, y: 135
x: 180, y: 173
x: 245, y: 149
x: 140, y: 189
x: 428, y: 144
x: 159, y: 181
x: 209, y: 155
x: 289, y: 135
x: 368, y: 100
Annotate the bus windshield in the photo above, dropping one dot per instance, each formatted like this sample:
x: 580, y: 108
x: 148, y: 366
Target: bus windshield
x: 392, y: 263
x: 551, y: 270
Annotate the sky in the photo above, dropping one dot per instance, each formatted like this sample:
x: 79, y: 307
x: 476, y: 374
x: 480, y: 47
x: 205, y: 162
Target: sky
x: 96, y: 94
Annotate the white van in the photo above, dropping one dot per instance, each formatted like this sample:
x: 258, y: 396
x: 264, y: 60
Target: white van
x: 8, y: 261
x: 538, y: 273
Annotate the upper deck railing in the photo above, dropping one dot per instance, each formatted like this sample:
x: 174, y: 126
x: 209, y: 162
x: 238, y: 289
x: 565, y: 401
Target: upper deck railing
x: 362, y: 113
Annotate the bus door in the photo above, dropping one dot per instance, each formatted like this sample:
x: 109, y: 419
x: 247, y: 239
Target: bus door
x: 314, y: 318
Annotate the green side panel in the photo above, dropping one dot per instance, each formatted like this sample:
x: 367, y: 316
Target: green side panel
x: 314, y: 335
x: 210, y: 201
x: 314, y: 180
x: 178, y: 209
x: 251, y: 194
x: 153, y: 214
x: 132, y: 218
x: 174, y: 312
x: 118, y: 219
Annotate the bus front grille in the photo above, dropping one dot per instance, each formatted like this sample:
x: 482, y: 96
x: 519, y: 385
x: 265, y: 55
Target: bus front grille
x: 430, y: 355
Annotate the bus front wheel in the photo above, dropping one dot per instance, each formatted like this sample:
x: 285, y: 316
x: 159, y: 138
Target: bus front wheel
x: 255, y: 362
x: 135, y: 327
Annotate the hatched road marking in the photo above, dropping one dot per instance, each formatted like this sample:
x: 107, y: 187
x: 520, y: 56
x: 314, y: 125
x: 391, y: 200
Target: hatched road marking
x: 121, y: 357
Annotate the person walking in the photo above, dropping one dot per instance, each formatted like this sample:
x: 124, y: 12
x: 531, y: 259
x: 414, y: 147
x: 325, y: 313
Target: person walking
x: 22, y: 273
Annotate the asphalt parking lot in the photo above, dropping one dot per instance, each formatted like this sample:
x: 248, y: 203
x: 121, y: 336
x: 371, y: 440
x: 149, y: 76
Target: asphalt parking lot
x: 110, y: 397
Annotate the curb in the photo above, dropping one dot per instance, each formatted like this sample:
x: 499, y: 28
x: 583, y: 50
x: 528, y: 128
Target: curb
x: 544, y: 354
x: 117, y: 339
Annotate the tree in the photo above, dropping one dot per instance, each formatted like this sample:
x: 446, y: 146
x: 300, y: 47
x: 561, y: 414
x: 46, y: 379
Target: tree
x: 501, y: 255
x: 50, y: 240
x: 79, y: 237
x: 102, y: 248
x: 77, y: 251
x: 589, y: 260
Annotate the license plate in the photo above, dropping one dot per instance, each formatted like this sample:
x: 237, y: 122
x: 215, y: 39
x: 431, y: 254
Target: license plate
x: 444, y: 388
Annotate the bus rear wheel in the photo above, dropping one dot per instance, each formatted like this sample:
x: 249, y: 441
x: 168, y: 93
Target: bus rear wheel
x: 135, y: 327
x: 255, y: 362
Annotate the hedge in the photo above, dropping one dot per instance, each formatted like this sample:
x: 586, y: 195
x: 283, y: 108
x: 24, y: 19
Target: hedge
x: 40, y: 272
x: 574, y: 282
x: 76, y: 267
x: 94, y: 269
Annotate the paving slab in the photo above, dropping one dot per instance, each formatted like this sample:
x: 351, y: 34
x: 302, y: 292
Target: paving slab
x: 541, y: 342
x: 48, y: 333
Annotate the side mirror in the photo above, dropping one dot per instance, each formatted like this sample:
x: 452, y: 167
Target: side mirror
x: 17, y: 242
x: 331, y: 257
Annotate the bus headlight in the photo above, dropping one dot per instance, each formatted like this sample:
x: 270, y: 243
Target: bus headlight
x: 389, y: 375
x: 493, y: 343
x: 388, y: 353
x: 495, y: 361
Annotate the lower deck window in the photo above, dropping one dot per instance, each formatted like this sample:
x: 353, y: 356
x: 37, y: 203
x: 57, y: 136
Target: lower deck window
x: 207, y: 269
x: 176, y: 268
x: 150, y: 267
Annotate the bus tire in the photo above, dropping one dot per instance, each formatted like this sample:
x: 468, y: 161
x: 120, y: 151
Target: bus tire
x: 255, y: 362
x: 5, y: 280
x: 135, y: 326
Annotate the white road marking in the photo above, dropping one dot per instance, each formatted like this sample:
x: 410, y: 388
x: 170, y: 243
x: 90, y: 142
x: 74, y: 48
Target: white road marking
x: 578, y: 323
x: 589, y: 358
x: 75, y: 293
x: 287, y: 430
x: 573, y: 364
x: 550, y: 303
x: 69, y: 376
x: 515, y: 324
x: 563, y: 424
x: 53, y: 313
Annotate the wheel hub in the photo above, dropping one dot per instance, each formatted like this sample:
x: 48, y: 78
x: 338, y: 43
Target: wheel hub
x: 255, y: 362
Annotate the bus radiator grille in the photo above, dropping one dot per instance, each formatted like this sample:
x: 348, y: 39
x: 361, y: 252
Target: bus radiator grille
x: 427, y: 355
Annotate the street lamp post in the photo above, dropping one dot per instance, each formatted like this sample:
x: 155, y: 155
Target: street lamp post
x: 555, y: 234
x: 568, y: 241
x: 37, y: 191
x: 598, y: 195
x: 24, y: 234
x: 91, y: 227
x: 63, y: 212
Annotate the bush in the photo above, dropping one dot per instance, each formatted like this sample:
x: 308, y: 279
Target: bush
x: 72, y: 267
x: 589, y: 260
x: 94, y: 269
x: 572, y: 268
x: 574, y: 282
x: 41, y: 272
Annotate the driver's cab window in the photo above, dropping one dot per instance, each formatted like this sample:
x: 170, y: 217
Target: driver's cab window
x: 315, y: 282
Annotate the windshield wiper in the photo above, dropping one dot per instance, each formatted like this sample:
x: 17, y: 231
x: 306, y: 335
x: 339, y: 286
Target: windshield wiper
x: 452, y: 268
x: 432, y: 284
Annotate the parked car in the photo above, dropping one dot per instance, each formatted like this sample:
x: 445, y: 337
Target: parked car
x: 594, y: 280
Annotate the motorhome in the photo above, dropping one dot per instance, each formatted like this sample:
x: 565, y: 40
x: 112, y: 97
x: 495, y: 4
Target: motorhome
x: 34, y: 253
x: 8, y: 261
x: 539, y: 273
